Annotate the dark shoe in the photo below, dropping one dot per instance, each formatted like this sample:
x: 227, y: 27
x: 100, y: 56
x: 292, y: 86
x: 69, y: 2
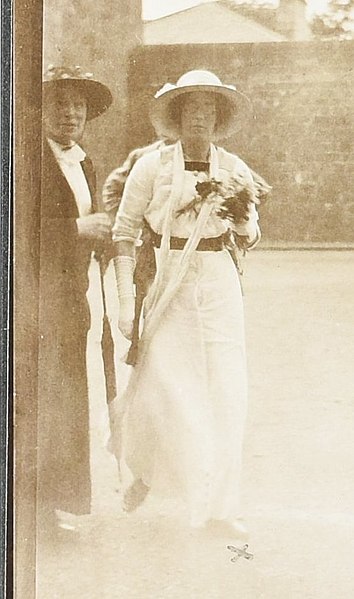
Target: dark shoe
x: 135, y: 495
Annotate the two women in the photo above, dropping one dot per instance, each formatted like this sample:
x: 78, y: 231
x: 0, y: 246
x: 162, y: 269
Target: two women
x: 185, y: 405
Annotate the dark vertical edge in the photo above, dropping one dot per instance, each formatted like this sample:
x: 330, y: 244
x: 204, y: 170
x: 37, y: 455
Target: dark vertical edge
x: 27, y: 28
x: 5, y: 307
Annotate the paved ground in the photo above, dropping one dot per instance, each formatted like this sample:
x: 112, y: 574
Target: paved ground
x: 299, y: 460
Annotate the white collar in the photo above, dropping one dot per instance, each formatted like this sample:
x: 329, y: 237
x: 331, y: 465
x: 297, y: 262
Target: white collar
x: 73, y: 155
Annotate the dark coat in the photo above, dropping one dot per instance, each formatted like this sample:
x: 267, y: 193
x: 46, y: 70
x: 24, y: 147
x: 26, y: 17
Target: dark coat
x: 64, y: 256
x: 64, y: 318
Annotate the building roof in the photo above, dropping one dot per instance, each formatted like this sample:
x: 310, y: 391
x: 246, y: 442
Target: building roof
x: 153, y: 9
x: 209, y: 22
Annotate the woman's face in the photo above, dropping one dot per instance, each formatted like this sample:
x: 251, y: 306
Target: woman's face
x: 198, y: 116
x: 65, y: 112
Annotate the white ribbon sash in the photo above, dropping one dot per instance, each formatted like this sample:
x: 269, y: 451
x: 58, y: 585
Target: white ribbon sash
x: 159, y: 295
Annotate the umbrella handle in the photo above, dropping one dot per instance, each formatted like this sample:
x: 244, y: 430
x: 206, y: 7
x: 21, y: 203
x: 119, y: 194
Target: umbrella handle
x: 132, y: 355
x: 103, y: 292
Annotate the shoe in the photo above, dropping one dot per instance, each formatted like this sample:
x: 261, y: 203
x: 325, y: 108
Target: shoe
x: 135, y: 495
x: 52, y: 527
x: 229, y: 529
x: 66, y: 520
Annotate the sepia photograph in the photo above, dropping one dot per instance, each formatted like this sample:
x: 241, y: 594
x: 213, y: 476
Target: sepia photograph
x: 183, y: 331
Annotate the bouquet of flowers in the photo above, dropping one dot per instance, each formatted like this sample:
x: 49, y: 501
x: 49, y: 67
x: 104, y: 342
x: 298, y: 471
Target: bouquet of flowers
x: 231, y: 201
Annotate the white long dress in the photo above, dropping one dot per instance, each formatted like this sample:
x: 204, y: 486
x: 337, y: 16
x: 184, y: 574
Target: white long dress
x: 187, y: 398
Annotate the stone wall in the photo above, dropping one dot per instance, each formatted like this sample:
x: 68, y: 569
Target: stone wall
x: 301, y: 139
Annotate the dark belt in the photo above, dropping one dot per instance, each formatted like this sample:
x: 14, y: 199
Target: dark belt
x: 208, y: 244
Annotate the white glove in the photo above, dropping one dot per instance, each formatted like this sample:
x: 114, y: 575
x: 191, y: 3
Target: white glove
x: 250, y: 227
x: 124, y: 268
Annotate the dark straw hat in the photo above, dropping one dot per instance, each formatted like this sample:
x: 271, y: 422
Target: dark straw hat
x: 98, y: 95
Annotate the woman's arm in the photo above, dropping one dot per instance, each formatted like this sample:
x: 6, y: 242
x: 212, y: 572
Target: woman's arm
x: 249, y: 229
x: 124, y: 266
x: 136, y: 197
x: 128, y: 223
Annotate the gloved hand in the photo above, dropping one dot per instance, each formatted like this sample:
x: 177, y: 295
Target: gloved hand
x: 95, y: 226
x: 126, y: 316
x: 124, y: 268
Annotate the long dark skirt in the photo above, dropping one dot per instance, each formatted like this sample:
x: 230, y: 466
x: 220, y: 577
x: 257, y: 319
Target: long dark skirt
x: 63, y: 421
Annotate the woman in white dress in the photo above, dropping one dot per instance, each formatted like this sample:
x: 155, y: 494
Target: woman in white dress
x: 185, y: 405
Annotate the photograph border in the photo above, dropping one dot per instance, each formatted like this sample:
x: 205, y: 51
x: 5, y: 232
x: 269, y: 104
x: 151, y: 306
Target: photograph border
x: 21, y: 333
x: 6, y: 445
x: 27, y: 69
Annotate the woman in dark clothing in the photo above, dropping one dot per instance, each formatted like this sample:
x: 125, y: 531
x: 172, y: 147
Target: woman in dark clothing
x: 71, y: 229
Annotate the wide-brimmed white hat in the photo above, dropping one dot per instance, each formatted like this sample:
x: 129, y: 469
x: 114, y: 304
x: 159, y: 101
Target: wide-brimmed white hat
x: 237, y: 105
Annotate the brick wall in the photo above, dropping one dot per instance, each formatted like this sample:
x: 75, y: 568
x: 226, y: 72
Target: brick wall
x: 301, y: 139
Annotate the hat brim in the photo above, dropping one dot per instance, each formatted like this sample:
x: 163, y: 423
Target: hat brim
x: 238, y: 113
x: 98, y: 95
